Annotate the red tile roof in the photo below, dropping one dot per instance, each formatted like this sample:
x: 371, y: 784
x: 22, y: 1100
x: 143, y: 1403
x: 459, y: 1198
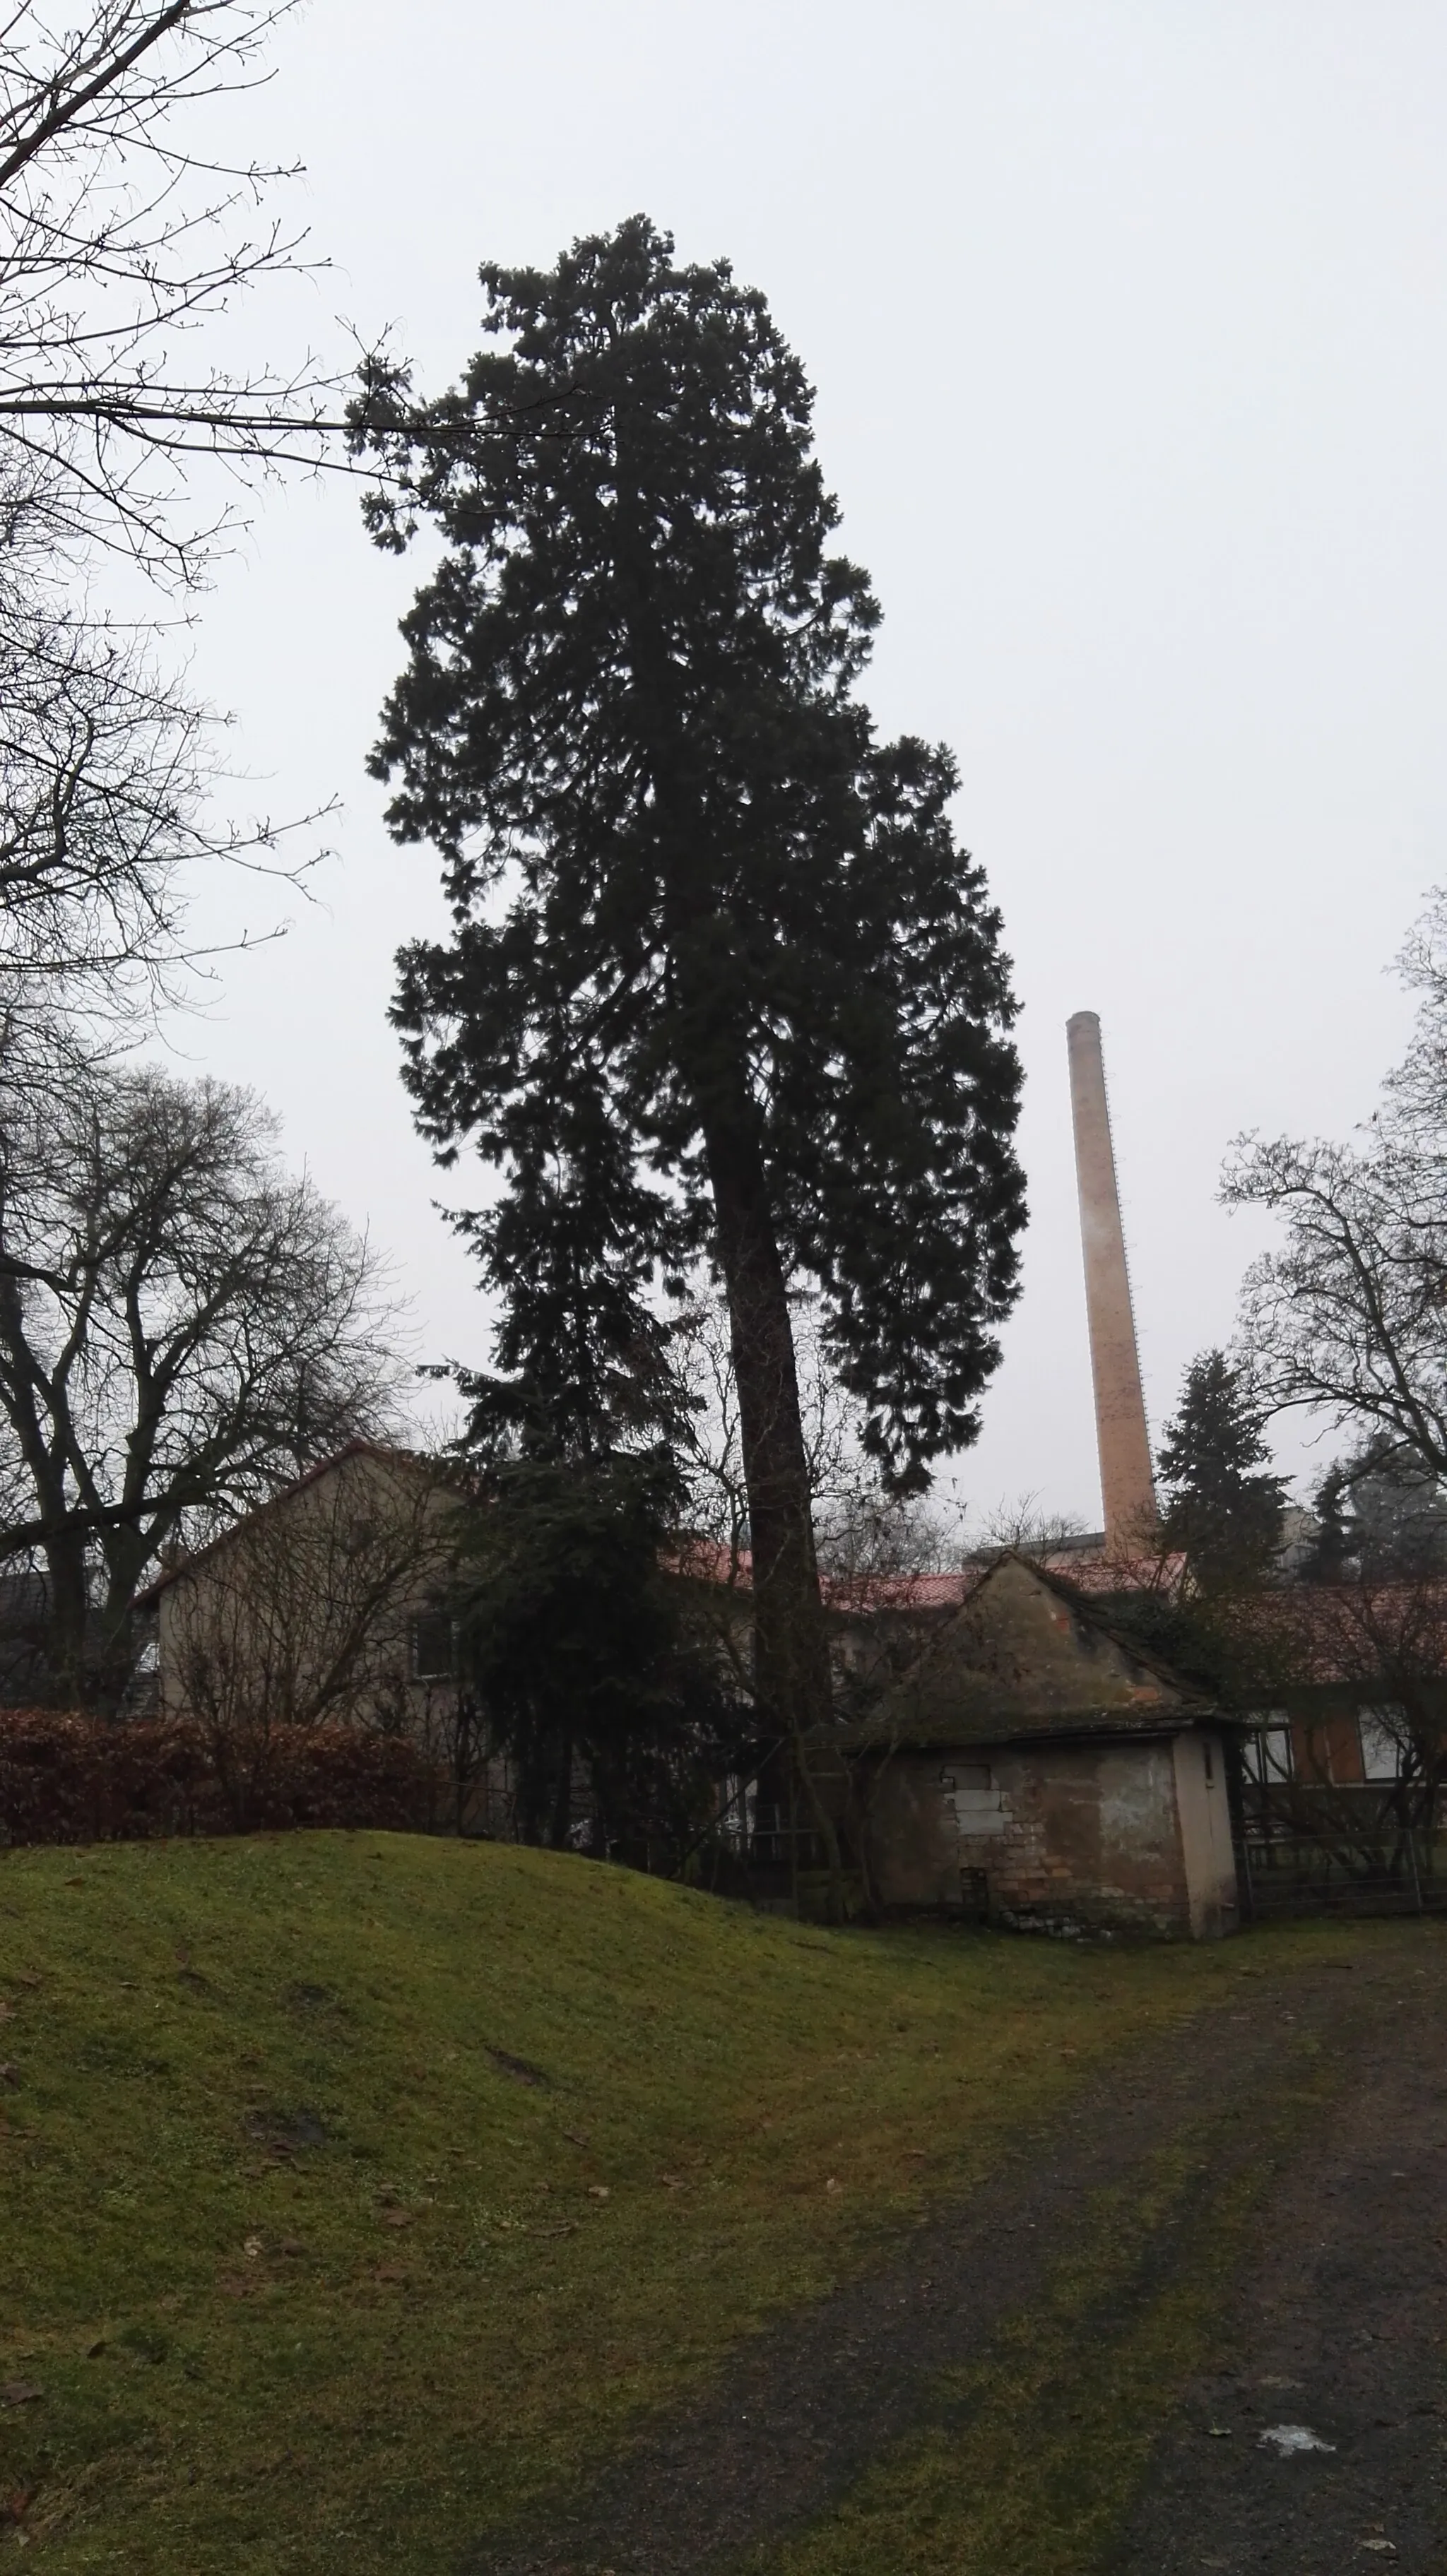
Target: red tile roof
x: 707, y: 1560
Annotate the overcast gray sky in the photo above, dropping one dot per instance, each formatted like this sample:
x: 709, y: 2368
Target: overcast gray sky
x: 1127, y: 327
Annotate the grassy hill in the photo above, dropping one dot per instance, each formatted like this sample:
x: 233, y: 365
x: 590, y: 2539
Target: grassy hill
x: 356, y: 2188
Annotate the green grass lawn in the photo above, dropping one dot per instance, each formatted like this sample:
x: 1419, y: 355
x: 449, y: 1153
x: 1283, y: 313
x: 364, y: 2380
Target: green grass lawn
x: 357, y: 2188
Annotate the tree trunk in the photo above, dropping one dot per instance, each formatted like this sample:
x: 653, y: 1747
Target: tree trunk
x: 67, y: 1616
x: 791, y: 1646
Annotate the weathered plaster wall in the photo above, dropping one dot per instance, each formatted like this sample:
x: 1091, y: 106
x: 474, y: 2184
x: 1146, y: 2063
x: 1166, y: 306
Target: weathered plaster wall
x: 1205, y: 1817
x: 1086, y: 1835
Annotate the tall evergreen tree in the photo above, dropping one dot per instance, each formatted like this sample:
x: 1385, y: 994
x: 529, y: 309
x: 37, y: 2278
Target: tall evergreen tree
x: 576, y: 1634
x: 1397, y: 1506
x: 1223, y: 1505
x: 1335, y: 1543
x: 685, y: 876
x: 582, y: 1364
x: 578, y: 1639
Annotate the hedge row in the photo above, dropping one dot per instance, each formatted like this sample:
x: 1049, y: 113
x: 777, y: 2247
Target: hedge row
x: 67, y: 1779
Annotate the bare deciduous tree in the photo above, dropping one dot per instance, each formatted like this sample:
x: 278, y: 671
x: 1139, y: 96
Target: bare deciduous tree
x: 1349, y: 1316
x: 862, y: 1529
x: 103, y: 779
x: 124, y: 228
x: 1023, y: 1528
x: 123, y: 233
x: 184, y: 1326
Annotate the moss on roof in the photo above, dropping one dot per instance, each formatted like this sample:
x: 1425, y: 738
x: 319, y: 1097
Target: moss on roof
x: 1026, y: 1656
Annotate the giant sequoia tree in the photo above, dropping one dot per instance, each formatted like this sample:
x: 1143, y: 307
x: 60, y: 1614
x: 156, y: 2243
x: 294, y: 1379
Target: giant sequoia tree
x: 701, y: 913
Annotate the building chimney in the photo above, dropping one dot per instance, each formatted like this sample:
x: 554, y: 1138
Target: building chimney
x: 1127, y: 1487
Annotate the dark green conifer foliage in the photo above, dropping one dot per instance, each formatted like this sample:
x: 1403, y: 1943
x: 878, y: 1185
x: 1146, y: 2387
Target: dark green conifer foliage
x: 1335, y: 1545
x: 576, y: 1638
x: 1382, y: 1514
x: 688, y: 883
x: 568, y: 1248
x: 1223, y: 1505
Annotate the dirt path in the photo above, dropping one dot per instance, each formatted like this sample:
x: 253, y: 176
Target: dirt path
x: 1332, y: 2326
x: 1338, y: 2326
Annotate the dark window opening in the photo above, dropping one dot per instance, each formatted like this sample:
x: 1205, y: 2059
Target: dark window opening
x: 433, y: 1647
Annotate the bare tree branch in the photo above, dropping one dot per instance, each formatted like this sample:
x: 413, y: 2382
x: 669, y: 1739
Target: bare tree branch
x: 120, y: 236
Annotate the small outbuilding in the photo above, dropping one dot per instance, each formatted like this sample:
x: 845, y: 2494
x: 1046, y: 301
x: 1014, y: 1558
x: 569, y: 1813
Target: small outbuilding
x: 1032, y: 1767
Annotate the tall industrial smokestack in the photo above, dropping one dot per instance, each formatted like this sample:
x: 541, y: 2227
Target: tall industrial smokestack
x: 1126, y: 1485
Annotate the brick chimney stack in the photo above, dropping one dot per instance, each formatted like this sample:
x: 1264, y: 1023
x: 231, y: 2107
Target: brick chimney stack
x: 1127, y: 1486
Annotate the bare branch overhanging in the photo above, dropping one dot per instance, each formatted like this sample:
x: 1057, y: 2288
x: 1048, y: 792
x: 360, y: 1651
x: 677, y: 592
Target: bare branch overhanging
x: 1348, y: 1315
x: 119, y: 236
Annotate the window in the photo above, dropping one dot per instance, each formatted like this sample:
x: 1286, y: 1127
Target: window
x: 1268, y: 1753
x: 1381, y: 1744
x: 433, y: 1647
x: 978, y: 1809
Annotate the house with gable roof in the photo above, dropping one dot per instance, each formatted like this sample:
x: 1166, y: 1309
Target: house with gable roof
x: 1030, y: 1766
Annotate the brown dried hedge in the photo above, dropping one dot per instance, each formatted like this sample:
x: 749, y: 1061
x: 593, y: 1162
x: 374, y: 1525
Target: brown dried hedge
x: 66, y: 1779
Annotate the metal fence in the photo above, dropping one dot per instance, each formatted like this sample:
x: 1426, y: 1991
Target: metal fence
x: 1340, y: 1850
